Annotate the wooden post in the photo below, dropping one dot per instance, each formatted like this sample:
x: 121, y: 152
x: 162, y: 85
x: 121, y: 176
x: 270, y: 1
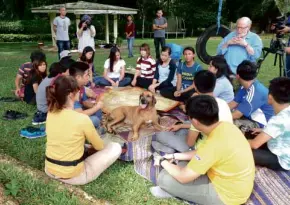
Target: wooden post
x: 53, y: 36
x: 107, y: 28
x: 77, y: 21
x: 115, y: 28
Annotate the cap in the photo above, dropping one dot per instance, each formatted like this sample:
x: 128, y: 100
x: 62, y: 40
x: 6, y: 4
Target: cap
x: 64, y: 53
x: 86, y: 18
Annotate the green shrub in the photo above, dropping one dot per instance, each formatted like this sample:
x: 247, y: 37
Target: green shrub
x: 24, y: 38
x: 29, y: 27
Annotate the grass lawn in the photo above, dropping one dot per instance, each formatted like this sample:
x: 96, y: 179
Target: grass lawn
x: 119, y: 184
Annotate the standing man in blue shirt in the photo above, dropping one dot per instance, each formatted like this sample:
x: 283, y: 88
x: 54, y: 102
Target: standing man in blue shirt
x: 251, y: 108
x: 159, y: 26
x: 240, y: 45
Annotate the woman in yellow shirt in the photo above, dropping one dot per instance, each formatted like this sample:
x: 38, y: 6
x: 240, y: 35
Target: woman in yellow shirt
x: 67, y: 131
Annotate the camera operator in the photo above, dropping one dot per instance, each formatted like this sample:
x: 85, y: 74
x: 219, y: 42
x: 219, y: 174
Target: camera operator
x: 285, y: 30
x: 86, y: 34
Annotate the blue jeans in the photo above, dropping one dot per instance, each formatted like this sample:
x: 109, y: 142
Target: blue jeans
x: 288, y: 65
x: 62, y: 45
x: 130, y: 46
x: 103, y: 82
x: 96, y: 119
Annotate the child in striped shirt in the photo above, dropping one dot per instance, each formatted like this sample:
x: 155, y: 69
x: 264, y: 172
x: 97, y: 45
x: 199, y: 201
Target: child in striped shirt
x: 145, y: 68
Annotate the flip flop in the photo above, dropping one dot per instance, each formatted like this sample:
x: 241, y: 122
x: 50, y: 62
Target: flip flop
x: 9, y: 99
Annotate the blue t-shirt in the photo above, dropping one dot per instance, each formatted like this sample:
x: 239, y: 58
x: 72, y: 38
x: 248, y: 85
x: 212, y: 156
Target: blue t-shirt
x: 253, y: 103
x: 188, y: 73
x: 224, y: 89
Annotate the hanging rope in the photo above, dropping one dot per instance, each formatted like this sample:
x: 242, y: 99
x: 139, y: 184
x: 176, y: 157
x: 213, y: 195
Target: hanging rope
x: 219, y: 16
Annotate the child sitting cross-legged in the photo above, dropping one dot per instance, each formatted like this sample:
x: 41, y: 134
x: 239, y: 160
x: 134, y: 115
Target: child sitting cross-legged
x: 271, y: 147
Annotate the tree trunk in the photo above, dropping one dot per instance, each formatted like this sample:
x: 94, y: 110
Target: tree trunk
x: 143, y: 26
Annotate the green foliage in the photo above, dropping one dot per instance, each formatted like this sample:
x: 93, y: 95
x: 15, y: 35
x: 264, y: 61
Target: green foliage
x: 119, y: 41
x: 24, y: 38
x: 25, y: 27
x: 12, y: 188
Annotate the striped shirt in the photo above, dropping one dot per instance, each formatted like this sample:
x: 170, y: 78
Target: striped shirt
x: 147, y: 67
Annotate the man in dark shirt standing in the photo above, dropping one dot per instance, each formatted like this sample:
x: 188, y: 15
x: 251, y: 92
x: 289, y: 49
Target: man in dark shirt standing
x: 159, y: 26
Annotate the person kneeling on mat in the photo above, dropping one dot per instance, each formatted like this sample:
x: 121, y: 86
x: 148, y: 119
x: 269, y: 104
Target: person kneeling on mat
x: 66, y: 132
x: 271, y: 147
x: 215, y: 173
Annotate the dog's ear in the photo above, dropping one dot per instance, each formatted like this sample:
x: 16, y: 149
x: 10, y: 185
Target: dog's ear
x: 154, y: 100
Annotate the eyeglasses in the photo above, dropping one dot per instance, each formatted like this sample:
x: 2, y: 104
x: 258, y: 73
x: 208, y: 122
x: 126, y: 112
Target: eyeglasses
x: 242, y: 28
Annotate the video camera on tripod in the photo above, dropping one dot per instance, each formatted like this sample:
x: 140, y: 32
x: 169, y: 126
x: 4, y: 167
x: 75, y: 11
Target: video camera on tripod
x: 277, y: 44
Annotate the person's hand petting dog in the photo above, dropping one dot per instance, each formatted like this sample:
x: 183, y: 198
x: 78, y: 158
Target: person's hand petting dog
x: 174, y: 128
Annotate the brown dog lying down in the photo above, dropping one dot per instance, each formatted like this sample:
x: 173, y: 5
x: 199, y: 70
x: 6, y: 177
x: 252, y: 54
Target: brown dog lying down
x: 145, y: 113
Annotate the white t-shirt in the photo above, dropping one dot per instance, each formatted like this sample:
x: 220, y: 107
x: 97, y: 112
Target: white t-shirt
x: 62, y: 25
x: 116, y: 68
x: 86, y: 39
x: 225, y: 115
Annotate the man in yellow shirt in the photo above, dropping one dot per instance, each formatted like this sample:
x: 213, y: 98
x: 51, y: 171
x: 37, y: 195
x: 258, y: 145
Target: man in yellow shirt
x: 220, y: 171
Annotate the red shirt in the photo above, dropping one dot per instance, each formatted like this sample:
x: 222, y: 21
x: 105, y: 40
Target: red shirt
x: 130, y: 28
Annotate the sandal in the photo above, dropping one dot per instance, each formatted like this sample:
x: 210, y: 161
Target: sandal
x: 14, y: 115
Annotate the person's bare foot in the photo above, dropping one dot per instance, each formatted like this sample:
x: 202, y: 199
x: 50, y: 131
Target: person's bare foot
x: 182, y: 107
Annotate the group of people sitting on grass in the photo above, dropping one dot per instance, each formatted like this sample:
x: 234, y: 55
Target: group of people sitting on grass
x: 209, y: 159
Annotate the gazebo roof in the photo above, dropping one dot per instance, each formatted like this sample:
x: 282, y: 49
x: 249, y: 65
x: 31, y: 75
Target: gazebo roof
x: 83, y: 7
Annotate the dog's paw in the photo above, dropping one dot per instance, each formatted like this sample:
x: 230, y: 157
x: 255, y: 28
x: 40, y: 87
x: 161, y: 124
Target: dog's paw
x: 109, y: 130
x: 134, y: 137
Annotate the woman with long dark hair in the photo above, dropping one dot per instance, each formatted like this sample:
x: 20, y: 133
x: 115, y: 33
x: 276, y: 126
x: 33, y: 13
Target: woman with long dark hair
x: 88, y: 56
x: 35, y: 76
x: 223, y: 87
x: 86, y: 34
x: 67, y: 130
x: 114, y: 71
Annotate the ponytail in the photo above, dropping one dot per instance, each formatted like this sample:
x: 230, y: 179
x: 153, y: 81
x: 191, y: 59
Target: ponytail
x: 58, y: 92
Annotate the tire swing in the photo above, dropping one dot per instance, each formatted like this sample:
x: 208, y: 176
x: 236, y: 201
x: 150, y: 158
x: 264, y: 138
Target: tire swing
x: 203, y: 39
x: 214, y: 30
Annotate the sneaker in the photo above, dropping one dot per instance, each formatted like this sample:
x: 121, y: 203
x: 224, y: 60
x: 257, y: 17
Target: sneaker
x: 32, y: 132
x: 39, y: 118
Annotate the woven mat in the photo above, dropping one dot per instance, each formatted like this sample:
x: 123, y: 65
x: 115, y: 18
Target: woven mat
x: 270, y: 188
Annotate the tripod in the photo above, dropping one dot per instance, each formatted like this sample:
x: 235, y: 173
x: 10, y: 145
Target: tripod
x: 277, y: 48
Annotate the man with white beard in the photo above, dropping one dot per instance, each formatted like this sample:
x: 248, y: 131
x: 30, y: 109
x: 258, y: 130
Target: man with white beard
x: 240, y: 45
